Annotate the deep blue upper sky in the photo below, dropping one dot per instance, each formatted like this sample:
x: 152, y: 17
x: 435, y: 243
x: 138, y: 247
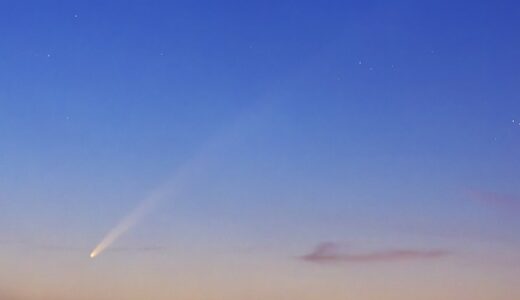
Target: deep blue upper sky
x: 377, y: 112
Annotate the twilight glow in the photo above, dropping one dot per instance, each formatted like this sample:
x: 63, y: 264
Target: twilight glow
x: 269, y: 150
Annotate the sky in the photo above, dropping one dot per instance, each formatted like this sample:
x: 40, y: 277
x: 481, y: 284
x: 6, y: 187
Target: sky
x: 259, y: 150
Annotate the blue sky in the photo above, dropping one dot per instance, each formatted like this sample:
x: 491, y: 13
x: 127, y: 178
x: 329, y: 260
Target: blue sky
x: 375, y: 124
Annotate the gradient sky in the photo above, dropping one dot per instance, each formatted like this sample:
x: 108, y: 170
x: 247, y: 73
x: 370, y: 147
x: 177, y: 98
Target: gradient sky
x: 328, y: 149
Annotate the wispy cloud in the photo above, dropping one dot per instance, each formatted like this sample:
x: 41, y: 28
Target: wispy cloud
x: 497, y: 199
x: 333, y: 253
x: 115, y: 249
x: 68, y: 248
x: 138, y: 249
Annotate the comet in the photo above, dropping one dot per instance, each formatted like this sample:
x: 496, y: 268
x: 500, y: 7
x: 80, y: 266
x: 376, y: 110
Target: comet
x: 167, y: 190
x: 172, y: 187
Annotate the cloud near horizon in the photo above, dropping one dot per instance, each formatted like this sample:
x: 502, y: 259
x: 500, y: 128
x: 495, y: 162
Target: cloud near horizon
x: 497, y: 199
x: 58, y: 247
x: 332, y: 253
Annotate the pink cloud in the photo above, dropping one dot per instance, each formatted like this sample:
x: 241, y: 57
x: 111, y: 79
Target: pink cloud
x: 332, y: 253
x: 498, y: 199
